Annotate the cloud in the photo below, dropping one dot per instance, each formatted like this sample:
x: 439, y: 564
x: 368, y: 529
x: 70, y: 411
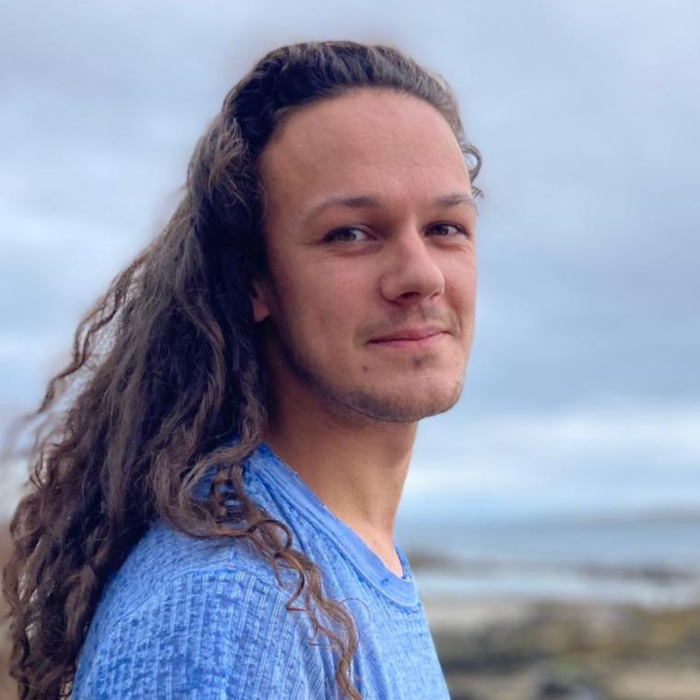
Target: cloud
x: 578, y: 460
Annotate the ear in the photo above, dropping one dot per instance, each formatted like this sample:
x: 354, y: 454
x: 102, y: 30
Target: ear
x: 259, y: 300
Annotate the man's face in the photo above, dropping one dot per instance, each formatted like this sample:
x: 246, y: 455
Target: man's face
x: 370, y: 232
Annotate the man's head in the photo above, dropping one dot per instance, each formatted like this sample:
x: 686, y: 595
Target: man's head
x: 321, y: 122
x: 370, y: 235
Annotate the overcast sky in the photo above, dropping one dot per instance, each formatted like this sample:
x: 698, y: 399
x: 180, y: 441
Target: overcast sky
x: 583, y: 390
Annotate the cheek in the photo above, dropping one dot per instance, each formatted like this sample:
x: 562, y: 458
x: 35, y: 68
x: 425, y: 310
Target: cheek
x: 461, y: 285
x: 334, y: 315
x: 315, y: 309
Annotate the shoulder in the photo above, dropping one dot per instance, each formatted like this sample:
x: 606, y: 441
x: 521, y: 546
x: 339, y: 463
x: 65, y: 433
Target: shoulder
x: 218, y: 632
x: 165, y: 556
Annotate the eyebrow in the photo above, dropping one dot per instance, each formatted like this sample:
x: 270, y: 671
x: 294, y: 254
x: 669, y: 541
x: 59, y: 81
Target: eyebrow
x: 364, y: 201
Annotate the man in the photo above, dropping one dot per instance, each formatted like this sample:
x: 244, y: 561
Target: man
x: 248, y: 433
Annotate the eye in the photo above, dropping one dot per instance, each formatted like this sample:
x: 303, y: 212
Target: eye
x: 448, y: 230
x: 349, y: 234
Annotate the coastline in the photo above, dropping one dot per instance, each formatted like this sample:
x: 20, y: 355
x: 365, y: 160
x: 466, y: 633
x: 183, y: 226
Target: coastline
x: 519, y: 649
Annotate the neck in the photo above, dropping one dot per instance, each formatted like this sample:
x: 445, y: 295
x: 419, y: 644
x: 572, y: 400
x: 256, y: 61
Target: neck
x: 357, y: 469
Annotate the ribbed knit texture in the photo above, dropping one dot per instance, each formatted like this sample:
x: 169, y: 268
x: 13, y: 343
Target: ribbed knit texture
x: 204, y: 620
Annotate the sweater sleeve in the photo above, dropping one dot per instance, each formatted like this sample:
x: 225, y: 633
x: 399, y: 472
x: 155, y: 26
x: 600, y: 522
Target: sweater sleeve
x: 213, y: 635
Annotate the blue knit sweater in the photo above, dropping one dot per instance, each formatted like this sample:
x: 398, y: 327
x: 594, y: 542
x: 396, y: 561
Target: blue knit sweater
x: 204, y: 620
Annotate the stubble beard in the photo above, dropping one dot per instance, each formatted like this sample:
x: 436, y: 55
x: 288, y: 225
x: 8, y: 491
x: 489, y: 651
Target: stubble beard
x: 360, y: 405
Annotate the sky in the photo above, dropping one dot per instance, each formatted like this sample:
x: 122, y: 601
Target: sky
x: 583, y: 389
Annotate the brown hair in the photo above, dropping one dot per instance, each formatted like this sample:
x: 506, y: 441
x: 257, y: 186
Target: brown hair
x: 166, y: 365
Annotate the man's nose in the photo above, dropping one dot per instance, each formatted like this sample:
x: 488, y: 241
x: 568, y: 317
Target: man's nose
x: 412, y: 271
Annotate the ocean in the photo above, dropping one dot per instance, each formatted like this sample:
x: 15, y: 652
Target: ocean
x: 651, y: 560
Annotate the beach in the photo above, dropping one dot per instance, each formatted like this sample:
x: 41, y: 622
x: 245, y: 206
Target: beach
x: 524, y: 650
x: 605, y: 609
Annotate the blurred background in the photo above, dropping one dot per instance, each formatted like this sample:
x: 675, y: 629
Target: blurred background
x: 553, y: 517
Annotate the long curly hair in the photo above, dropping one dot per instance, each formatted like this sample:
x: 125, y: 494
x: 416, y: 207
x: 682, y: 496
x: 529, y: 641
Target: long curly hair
x: 164, y: 367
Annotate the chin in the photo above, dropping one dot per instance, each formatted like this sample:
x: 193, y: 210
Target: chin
x: 404, y: 408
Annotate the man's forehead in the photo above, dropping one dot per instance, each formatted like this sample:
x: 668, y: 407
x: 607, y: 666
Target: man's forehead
x: 360, y: 129
x: 368, y: 149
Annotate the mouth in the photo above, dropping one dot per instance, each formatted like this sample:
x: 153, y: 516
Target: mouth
x: 411, y: 341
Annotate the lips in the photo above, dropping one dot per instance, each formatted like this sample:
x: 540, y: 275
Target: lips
x: 410, y: 334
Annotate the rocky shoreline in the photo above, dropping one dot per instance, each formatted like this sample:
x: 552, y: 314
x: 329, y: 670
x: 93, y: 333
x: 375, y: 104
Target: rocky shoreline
x: 522, y: 650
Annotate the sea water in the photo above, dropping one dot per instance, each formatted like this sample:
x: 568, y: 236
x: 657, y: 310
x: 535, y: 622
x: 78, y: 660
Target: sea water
x: 652, y: 561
